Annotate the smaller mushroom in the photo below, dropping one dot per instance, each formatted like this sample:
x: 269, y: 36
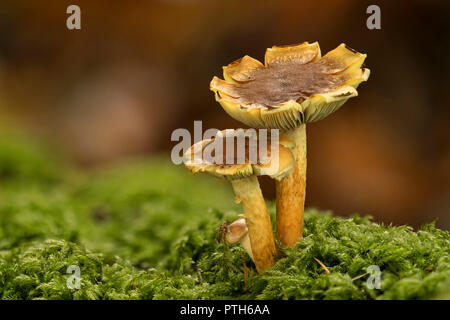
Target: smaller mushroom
x: 243, y: 178
x: 237, y: 232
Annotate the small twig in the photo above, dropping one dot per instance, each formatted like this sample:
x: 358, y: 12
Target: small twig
x: 323, y: 266
x: 245, y: 272
x: 360, y: 276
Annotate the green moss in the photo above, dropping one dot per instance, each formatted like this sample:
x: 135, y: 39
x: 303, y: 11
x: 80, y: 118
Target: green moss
x: 147, y: 230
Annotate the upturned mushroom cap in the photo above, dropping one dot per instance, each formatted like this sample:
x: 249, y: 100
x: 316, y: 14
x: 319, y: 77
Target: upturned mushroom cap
x: 236, y: 231
x: 294, y: 86
x: 273, y: 166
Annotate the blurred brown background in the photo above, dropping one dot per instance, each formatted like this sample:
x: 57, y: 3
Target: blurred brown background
x: 139, y: 69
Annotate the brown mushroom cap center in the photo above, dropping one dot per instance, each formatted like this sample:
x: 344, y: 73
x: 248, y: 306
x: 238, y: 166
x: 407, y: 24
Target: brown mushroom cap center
x: 234, y: 147
x: 281, y: 82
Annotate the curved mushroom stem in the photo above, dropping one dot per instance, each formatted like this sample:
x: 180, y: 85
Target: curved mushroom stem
x: 291, y: 192
x: 245, y: 243
x: 262, y: 244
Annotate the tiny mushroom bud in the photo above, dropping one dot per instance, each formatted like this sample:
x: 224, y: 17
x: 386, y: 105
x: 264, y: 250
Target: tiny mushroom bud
x: 245, y: 184
x: 238, y: 232
x: 295, y: 86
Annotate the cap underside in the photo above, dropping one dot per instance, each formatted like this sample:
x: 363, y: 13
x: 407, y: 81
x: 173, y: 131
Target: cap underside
x: 230, y: 164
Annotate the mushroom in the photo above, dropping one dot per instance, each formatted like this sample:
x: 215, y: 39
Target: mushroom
x: 246, y: 186
x: 295, y: 86
x: 237, y: 232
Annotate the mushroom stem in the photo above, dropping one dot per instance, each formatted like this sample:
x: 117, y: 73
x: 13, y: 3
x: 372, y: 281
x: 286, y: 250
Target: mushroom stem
x: 257, y: 217
x: 291, y: 192
x: 245, y: 243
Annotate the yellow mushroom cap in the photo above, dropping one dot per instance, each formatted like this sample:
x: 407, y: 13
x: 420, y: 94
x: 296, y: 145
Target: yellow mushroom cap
x: 294, y: 86
x: 275, y: 165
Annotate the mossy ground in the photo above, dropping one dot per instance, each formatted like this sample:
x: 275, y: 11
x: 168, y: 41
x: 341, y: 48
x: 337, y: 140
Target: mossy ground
x: 148, y: 230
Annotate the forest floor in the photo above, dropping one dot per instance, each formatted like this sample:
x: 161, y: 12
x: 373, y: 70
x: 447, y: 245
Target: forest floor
x: 147, y: 229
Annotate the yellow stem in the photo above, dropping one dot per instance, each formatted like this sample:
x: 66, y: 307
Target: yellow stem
x: 291, y: 192
x: 257, y: 217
